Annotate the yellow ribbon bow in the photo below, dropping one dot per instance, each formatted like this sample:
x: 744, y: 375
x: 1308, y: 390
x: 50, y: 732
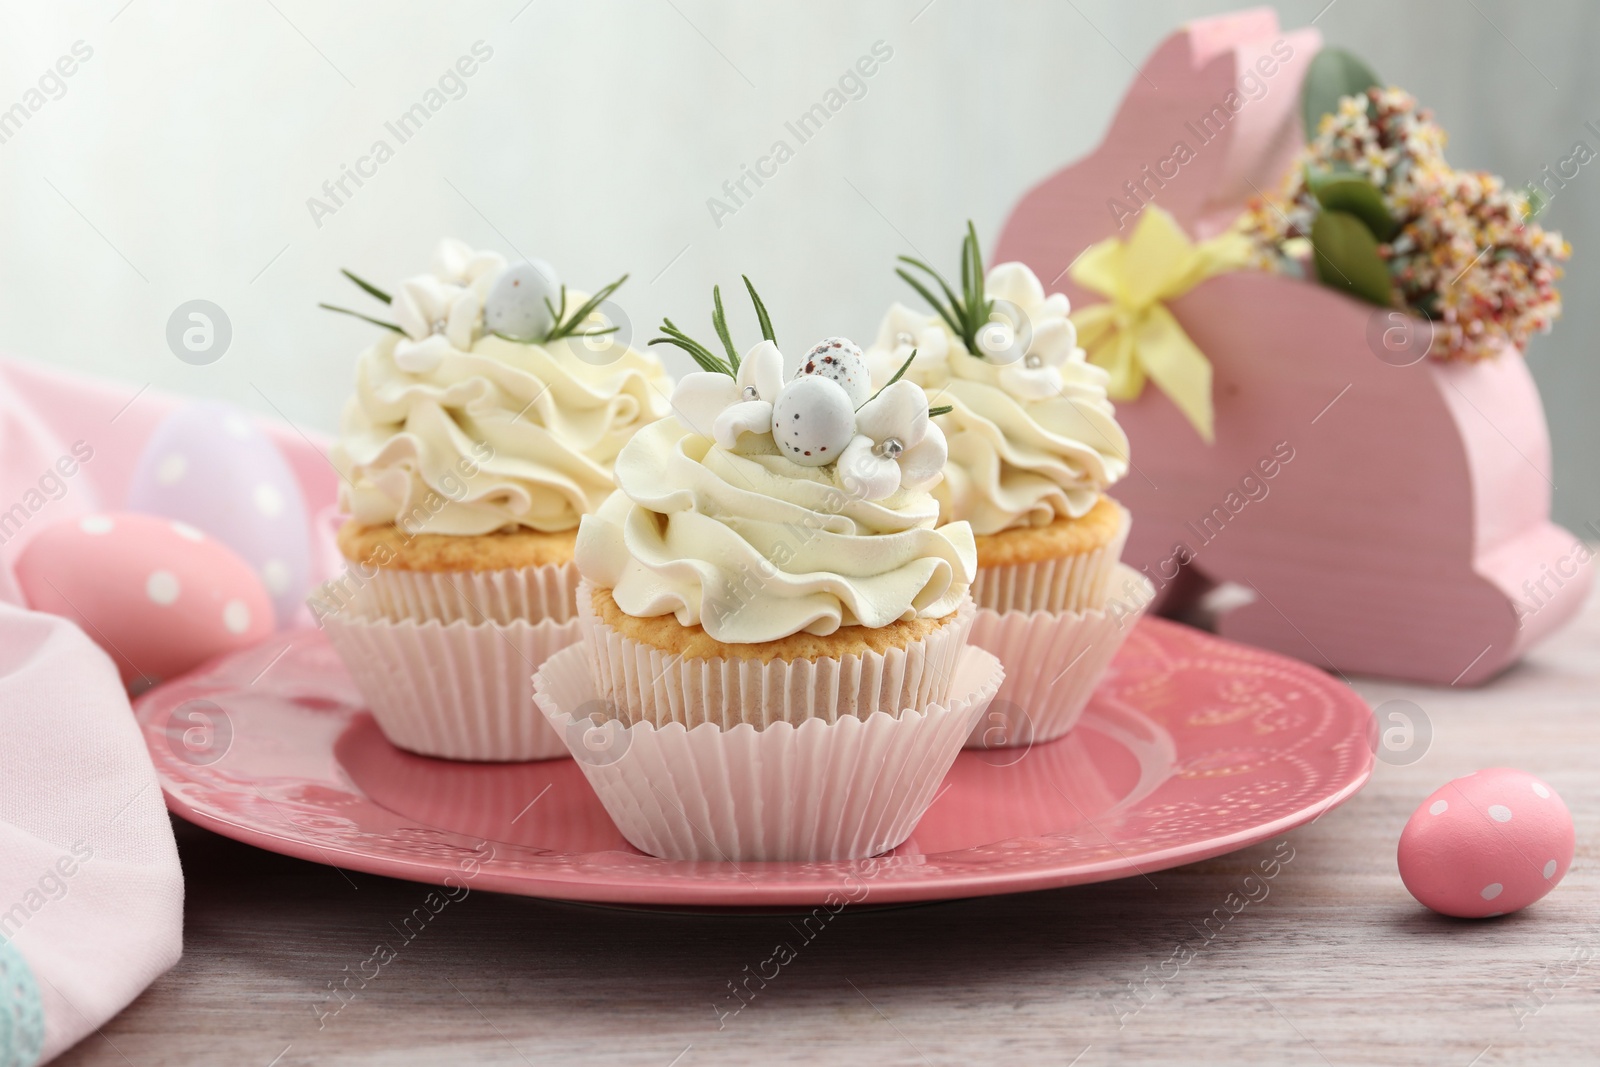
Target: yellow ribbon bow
x: 1132, y: 334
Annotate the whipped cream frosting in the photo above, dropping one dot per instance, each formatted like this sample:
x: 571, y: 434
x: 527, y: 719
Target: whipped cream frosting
x: 754, y: 547
x: 1029, y: 441
x: 485, y: 434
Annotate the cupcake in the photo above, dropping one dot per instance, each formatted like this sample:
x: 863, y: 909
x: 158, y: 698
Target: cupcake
x: 774, y: 661
x: 484, y: 426
x: 1034, y: 445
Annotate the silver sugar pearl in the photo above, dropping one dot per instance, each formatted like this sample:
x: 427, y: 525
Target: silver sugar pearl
x: 750, y: 393
x: 904, y: 338
x: 888, y: 448
x: 440, y: 325
x: 1033, y: 362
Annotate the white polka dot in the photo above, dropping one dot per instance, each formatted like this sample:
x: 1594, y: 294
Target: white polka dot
x: 236, y: 426
x: 236, y: 616
x: 1438, y: 807
x: 1492, y: 890
x: 1499, y: 813
x: 275, y: 576
x: 184, y: 530
x: 162, y: 587
x: 171, y: 469
x: 1550, y: 868
x: 268, y: 500
x: 1540, y: 791
x: 95, y: 524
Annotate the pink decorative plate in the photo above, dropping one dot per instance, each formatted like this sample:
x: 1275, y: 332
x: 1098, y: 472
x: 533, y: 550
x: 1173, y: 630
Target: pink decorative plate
x: 1192, y: 747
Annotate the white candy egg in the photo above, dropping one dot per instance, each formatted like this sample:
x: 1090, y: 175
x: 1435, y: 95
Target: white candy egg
x: 812, y: 420
x: 516, y: 305
x: 839, y: 360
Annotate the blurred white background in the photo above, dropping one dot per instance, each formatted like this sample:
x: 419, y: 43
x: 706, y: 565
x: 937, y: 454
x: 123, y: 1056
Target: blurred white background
x: 178, y: 161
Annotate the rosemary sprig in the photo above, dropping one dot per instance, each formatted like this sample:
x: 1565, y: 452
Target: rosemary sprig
x: 370, y: 289
x: 569, y: 326
x: 364, y: 318
x: 895, y: 378
x: 761, y: 310
x: 942, y: 409
x: 965, y: 314
x: 705, y: 358
x: 719, y: 322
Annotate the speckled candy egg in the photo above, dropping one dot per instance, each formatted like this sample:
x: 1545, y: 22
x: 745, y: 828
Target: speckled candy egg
x: 211, y: 466
x: 812, y: 420
x: 1487, y: 844
x: 516, y: 304
x: 159, y: 596
x: 840, y: 361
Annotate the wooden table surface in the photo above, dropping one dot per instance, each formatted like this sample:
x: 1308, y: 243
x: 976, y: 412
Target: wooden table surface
x: 1337, y: 966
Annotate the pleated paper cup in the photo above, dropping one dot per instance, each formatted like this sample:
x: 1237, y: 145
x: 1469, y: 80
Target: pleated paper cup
x: 1069, y: 583
x: 503, y: 596
x: 844, y: 788
x: 450, y: 689
x: 1053, y: 661
x: 648, y: 684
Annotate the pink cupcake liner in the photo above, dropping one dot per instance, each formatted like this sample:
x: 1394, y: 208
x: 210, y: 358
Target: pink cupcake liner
x: 1053, y: 662
x: 650, y: 685
x: 827, y: 789
x: 1076, y: 583
x: 453, y: 690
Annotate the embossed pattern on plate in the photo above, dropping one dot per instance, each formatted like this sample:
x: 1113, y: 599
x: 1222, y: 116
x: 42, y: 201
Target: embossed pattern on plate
x: 1192, y: 747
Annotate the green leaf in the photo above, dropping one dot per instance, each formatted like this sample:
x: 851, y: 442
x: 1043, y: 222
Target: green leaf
x: 1355, y: 194
x: 1538, y: 200
x: 371, y: 290
x: 1334, y: 74
x: 363, y: 318
x: 761, y: 311
x: 719, y: 321
x: 1347, y: 259
x: 942, y: 409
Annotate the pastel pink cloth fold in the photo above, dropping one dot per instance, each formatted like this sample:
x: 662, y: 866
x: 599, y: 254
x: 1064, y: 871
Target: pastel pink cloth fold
x: 91, y: 893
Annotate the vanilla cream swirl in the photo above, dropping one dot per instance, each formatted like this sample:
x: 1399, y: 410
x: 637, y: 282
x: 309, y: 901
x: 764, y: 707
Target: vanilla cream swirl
x: 505, y: 435
x: 1029, y: 442
x: 754, y: 548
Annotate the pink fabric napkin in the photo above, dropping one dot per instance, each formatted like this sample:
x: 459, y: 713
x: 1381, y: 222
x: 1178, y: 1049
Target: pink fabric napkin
x: 91, y: 894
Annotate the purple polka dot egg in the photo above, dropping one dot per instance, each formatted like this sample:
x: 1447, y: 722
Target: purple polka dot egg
x: 1487, y: 844
x: 159, y: 596
x: 209, y: 465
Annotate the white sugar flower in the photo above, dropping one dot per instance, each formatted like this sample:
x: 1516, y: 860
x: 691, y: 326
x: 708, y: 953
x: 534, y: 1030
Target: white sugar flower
x: 456, y: 263
x: 896, y: 445
x: 441, y: 312
x: 1047, y: 332
x: 903, y: 331
x: 722, y: 408
x: 437, y: 318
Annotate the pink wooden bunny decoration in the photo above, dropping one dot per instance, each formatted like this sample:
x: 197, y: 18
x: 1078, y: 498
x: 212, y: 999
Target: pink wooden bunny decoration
x: 1388, y: 514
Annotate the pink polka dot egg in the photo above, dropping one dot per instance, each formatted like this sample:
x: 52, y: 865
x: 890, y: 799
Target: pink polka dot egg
x: 158, y: 595
x: 1487, y: 844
